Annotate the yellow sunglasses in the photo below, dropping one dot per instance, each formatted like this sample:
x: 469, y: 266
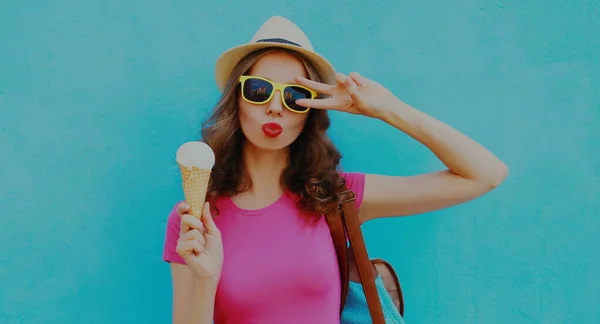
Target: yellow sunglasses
x: 257, y: 90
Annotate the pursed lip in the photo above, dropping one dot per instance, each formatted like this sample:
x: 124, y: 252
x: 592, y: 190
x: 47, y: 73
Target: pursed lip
x: 272, y: 129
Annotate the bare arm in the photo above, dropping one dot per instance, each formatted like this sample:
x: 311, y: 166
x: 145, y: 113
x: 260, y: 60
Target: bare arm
x: 472, y: 170
x: 183, y: 290
x: 195, y: 282
x: 193, y: 300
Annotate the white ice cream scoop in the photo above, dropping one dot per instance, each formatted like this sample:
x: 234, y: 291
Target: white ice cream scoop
x: 195, y: 160
x: 196, y: 154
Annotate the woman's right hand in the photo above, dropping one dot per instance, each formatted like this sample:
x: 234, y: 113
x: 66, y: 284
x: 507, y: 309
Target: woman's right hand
x: 200, y: 243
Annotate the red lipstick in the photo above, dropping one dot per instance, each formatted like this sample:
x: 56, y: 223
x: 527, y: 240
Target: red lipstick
x: 272, y: 129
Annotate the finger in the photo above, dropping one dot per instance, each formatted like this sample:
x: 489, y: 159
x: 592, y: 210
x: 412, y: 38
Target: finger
x: 317, y: 86
x: 340, y: 78
x: 189, y: 222
x: 360, y: 80
x: 353, y: 91
x: 208, y: 221
x: 193, y: 235
x: 187, y: 248
x: 182, y: 249
x: 197, y: 247
x: 328, y: 103
x: 182, y: 208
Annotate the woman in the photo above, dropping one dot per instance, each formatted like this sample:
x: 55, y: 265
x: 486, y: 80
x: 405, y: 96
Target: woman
x: 267, y: 257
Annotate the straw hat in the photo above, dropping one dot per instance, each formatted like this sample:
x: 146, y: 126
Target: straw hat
x: 275, y: 32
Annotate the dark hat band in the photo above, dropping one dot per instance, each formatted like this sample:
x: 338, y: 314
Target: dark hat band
x: 277, y: 40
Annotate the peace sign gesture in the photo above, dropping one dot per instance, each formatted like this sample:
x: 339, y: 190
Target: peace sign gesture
x: 354, y: 94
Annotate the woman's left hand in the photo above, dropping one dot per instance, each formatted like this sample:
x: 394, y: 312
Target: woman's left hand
x: 354, y: 94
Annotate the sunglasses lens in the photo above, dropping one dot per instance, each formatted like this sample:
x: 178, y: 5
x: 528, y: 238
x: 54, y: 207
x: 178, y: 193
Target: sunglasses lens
x: 257, y: 90
x: 292, y: 94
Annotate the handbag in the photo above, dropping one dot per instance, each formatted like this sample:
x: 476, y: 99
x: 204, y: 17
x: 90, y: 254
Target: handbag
x: 370, y: 289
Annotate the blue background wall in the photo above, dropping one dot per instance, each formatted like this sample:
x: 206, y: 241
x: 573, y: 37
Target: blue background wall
x: 96, y: 96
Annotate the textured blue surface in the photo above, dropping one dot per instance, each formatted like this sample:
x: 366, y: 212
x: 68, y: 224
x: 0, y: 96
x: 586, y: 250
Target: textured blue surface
x: 356, y: 310
x: 95, y: 97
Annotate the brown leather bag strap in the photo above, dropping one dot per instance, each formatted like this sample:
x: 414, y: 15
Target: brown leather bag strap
x: 363, y: 263
x: 336, y: 227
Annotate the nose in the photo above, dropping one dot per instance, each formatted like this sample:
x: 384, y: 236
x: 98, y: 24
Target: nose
x: 275, y: 107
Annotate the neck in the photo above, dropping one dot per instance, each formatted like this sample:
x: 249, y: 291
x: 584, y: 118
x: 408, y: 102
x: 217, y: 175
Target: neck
x: 264, y: 169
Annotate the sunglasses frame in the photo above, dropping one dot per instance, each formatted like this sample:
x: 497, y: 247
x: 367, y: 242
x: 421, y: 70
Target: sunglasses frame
x: 276, y: 86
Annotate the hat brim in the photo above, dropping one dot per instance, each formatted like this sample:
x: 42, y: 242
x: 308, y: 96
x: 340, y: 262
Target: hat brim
x: 227, y: 62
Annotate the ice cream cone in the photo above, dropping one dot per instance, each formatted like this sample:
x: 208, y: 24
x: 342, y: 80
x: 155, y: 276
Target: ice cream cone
x: 195, y: 184
x: 195, y: 160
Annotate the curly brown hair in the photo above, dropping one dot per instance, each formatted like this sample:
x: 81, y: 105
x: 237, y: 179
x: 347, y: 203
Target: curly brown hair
x: 312, y: 173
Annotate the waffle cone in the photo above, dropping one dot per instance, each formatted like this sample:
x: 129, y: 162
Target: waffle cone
x: 195, y: 184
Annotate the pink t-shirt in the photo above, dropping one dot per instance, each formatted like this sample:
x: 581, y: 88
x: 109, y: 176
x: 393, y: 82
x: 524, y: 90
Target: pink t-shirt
x: 279, y: 266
